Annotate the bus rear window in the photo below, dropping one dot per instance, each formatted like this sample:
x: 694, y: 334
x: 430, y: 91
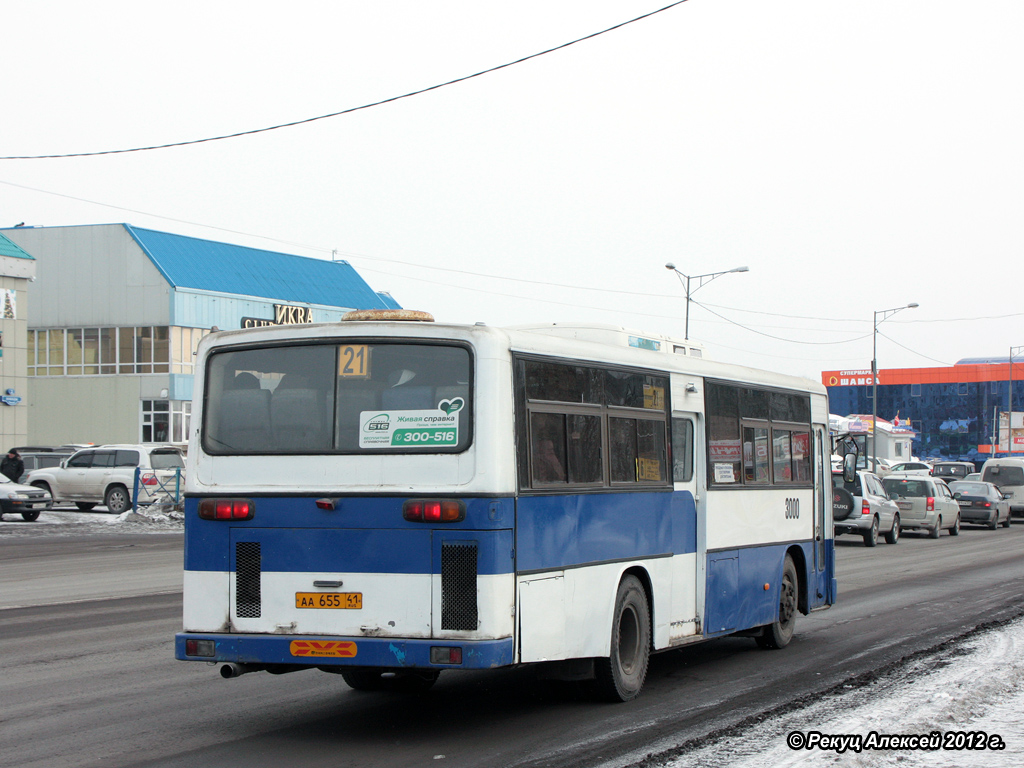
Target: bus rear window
x: 338, y: 398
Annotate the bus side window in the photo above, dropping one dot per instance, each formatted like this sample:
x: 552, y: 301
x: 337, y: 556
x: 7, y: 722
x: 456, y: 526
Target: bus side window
x: 547, y: 447
x: 682, y: 450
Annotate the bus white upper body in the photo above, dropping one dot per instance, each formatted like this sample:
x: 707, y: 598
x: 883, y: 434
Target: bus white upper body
x: 387, y: 500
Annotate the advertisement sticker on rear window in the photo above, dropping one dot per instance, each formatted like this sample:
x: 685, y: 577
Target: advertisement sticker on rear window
x: 404, y: 429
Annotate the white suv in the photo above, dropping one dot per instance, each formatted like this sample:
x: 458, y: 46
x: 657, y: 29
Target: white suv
x: 106, y: 475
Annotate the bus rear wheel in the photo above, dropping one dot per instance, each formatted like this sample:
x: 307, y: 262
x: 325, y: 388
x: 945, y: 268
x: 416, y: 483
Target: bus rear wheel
x: 621, y: 676
x: 380, y: 679
x: 780, y: 632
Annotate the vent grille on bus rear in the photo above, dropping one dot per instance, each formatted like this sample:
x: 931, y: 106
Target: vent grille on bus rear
x: 247, y: 580
x: 458, y: 585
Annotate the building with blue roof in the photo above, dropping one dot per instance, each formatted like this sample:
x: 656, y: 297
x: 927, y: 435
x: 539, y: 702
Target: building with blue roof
x: 17, y: 270
x: 116, y: 312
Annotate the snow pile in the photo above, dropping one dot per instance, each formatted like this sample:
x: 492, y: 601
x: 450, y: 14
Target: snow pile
x: 975, y: 686
x: 162, y: 515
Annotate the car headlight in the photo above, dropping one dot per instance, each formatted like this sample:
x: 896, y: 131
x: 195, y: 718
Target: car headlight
x: 17, y: 495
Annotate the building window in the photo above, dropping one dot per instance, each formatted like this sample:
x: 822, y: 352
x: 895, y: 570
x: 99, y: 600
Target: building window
x: 156, y: 421
x: 92, y: 351
x: 183, y: 342
x: 166, y: 421
x: 961, y: 388
x: 915, y: 390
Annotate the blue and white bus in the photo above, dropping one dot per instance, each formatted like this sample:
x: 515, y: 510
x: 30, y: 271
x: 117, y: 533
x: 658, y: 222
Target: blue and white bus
x: 387, y: 499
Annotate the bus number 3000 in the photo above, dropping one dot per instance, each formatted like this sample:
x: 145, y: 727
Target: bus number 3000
x: 792, y: 509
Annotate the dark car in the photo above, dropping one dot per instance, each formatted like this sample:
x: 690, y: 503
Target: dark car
x: 951, y: 471
x: 37, y: 459
x: 982, y: 504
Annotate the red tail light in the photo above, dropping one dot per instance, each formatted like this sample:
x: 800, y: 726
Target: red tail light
x: 444, y: 655
x: 434, y: 510
x: 865, y: 508
x: 987, y: 504
x: 148, y: 479
x: 226, y: 509
x: 930, y: 506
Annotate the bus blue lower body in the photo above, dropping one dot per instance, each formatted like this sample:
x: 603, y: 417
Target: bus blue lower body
x: 330, y: 650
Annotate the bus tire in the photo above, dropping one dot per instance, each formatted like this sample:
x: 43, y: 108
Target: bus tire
x: 363, y: 678
x: 620, y: 676
x: 379, y: 679
x: 780, y: 632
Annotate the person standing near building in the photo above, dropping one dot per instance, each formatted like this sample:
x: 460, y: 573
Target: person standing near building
x: 12, y: 467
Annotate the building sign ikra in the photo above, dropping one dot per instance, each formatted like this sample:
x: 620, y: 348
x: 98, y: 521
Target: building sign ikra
x: 284, y: 314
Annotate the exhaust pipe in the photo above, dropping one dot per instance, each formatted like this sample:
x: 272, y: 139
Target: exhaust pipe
x: 228, y: 671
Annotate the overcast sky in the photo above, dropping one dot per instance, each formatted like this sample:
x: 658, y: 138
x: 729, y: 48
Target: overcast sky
x: 855, y: 156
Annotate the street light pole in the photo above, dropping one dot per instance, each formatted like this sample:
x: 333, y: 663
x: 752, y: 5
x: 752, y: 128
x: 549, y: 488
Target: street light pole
x: 685, y: 280
x: 1009, y: 403
x: 886, y: 314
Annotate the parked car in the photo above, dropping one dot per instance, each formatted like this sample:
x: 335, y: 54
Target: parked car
x: 951, y: 471
x: 873, y: 512
x: 106, y: 475
x: 42, y: 458
x: 925, y: 503
x: 982, y: 504
x: 912, y: 467
x: 877, y: 465
x: 1008, y: 476
x: 24, y: 500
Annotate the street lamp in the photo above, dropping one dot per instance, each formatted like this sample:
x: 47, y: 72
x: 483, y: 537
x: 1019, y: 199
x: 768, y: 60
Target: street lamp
x: 1009, y: 403
x: 886, y: 314
x: 685, y: 280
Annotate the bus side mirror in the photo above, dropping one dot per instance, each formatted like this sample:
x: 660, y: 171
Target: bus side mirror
x: 849, y: 467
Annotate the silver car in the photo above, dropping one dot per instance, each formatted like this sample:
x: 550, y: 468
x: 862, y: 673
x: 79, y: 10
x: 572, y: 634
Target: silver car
x: 106, y: 475
x: 873, y: 512
x: 925, y: 503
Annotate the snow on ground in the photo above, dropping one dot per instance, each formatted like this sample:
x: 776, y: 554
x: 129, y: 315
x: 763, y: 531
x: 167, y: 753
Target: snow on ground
x: 67, y: 520
x: 971, y: 686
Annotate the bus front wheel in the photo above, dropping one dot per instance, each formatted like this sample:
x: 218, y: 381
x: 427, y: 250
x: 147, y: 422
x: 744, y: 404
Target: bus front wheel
x: 621, y: 676
x: 780, y: 632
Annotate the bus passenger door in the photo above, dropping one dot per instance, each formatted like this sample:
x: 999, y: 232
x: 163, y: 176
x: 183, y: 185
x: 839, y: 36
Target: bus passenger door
x: 688, y: 509
x: 824, y: 589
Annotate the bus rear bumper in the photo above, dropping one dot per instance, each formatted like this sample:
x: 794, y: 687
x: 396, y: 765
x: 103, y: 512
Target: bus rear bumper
x: 321, y: 650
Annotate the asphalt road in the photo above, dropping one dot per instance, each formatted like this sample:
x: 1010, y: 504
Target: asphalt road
x: 89, y: 679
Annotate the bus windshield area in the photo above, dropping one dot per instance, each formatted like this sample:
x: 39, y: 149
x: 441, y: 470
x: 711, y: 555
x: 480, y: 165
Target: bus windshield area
x: 338, y: 397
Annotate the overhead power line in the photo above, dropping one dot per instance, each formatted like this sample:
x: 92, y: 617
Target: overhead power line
x: 350, y: 110
x: 914, y: 351
x: 779, y: 338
